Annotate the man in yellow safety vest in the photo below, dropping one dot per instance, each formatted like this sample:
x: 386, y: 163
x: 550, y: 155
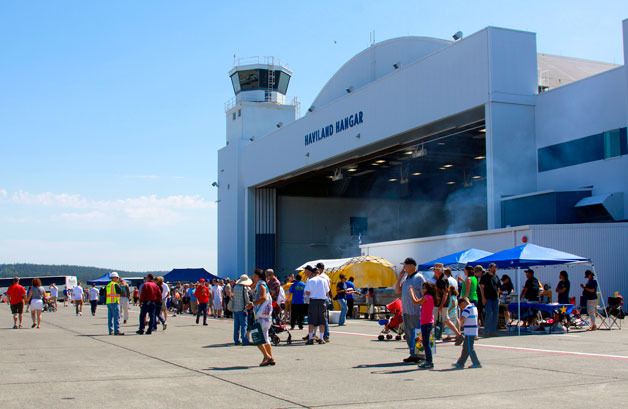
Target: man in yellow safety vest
x: 113, y: 292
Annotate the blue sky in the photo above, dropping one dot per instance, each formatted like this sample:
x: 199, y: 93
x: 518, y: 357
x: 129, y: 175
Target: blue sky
x: 111, y: 113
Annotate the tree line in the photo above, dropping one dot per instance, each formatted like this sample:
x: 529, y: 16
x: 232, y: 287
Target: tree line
x: 82, y: 272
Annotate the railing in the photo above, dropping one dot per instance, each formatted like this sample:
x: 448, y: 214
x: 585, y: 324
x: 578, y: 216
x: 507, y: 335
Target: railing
x: 265, y: 60
x: 268, y: 97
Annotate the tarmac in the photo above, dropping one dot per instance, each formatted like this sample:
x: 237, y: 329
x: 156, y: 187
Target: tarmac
x: 71, y: 362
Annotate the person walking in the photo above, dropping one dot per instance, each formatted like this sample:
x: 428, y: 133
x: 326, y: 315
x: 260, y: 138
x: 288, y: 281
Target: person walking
x: 112, y: 300
x: 350, y: 299
x: 136, y: 296
x: 262, y: 306
x: 17, y: 297
x: 442, y: 299
x: 241, y: 298
x: 427, y: 320
x: 125, y: 299
x: 589, y: 293
x: 316, y: 290
x: 77, y: 298
x: 216, y: 304
x: 161, y: 311
x: 320, y: 267
x: 202, y: 297
x: 341, y: 297
x: 298, y: 307
x: 94, y: 295
x: 410, y: 278
x: 149, y: 296
x: 489, y: 289
x: 469, y: 324
x: 36, y: 295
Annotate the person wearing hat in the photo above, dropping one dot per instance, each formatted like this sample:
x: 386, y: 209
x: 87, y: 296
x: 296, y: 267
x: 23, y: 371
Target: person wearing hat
x: 410, y: 278
x: 112, y: 294
x: 240, y: 299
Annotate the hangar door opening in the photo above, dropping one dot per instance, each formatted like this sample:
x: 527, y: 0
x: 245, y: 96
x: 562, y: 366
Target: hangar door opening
x: 422, y: 187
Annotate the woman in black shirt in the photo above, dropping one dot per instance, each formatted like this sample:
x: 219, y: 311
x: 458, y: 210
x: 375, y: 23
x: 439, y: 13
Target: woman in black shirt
x: 562, y: 288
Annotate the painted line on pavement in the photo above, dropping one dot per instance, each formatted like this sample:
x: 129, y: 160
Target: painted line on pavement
x: 552, y: 351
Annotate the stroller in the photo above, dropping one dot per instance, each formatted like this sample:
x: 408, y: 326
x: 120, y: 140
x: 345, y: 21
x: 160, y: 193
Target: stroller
x: 279, y: 325
x: 49, y: 305
x: 393, y: 325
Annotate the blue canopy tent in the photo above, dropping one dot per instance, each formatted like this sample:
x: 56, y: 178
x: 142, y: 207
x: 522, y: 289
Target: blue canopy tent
x: 102, y: 280
x: 526, y: 256
x: 190, y: 275
x: 458, y: 259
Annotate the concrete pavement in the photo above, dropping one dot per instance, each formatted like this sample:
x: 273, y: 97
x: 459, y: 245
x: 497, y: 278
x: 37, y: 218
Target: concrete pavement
x: 71, y: 363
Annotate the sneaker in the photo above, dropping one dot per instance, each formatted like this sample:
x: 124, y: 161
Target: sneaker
x: 322, y: 341
x: 412, y: 360
x: 119, y: 333
x: 110, y: 333
x: 456, y: 366
x: 309, y: 342
x: 148, y: 332
x: 139, y: 332
x: 326, y: 339
x: 426, y: 365
x: 205, y: 323
x: 15, y: 327
x: 164, y: 325
x: 197, y: 321
x: 474, y: 366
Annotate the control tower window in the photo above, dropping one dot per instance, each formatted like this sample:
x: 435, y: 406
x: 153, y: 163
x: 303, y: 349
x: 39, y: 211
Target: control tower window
x: 249, y: 80
x: 235, y: 82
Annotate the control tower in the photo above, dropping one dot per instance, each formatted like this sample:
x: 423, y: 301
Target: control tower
x: 259, y: 107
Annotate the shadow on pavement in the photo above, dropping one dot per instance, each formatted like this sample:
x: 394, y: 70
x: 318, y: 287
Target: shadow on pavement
x: 383, y: 365
x: 225, y: 345
x: 230, y: 368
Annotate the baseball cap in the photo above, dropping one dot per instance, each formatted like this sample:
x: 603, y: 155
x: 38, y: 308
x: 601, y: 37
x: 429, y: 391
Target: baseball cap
x: 202, y: 280
x: 114, y: 275
x: 409, y: 260
x: 320, y: 265
x: 529, y: 270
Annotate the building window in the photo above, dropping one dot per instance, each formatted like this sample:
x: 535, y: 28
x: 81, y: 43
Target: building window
x: 359, y: 225
x: 233, y: 116
x: 588, y: 149
x: 239, y: 112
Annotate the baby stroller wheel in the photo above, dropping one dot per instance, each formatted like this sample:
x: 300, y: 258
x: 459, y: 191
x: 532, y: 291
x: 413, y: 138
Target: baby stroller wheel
x: 275, y: 340
x: 289, y: 340
x: 381, y: 337
x: 397, y: 337
x: 389, y: 337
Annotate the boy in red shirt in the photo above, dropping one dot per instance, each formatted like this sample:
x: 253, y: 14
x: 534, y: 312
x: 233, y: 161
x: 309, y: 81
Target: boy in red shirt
x: 202, y: 296
x: 16, y: 294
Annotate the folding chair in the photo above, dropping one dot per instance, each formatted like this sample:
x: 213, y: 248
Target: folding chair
x: 613, y: 315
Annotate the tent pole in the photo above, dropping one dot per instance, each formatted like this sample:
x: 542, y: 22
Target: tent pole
x: 518, y: 303
x: 599, y: 287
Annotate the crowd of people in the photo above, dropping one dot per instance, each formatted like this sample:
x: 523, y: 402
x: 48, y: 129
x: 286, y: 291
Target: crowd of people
x: 459, y: 307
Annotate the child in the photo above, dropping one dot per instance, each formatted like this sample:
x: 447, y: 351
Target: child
x: 427, y: 320
x: 469, y: 324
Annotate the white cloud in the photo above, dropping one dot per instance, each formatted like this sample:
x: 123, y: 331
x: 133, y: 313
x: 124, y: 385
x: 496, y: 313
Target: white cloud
x: 151, y: 210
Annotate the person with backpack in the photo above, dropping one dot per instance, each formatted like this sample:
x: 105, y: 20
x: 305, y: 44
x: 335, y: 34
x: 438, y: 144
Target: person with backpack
x: 240, y: 299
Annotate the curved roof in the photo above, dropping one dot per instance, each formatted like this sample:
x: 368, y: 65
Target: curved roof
x: 375, y: 62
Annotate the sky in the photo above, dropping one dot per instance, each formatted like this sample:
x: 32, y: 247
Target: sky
x: 112, y: 112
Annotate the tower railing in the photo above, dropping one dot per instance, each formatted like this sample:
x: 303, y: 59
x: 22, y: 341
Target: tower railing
x: 268, y: 97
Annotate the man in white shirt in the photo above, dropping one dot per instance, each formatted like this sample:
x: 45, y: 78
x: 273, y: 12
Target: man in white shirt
x: 165, y: 294
x: 54, y: 293
x: 77, y: 297
x: 94, y: 295
x: 321, y: 269
x: 317, y: 290
x: 216, y: 299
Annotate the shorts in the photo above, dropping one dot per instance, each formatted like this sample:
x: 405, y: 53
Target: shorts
x: 265, y: 324
x: 37, y: 305
x: 164, y: 307
x: 17, y: 308
x: 441, y: 315
x: 316, y: 312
